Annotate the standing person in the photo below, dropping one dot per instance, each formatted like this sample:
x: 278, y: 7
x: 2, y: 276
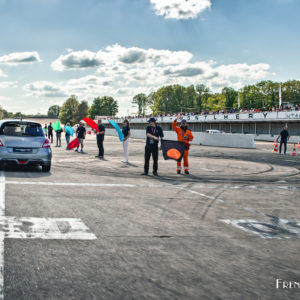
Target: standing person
x: 67, y: 135
x: 45, y: 129
x: 81, y: 132
x: 100, y: 139
x: 50, y: 132
x: 284, y: 137
x: 126, y: 132
x: 184, y: 134
x: 58, y: 137
x: 153, y: 133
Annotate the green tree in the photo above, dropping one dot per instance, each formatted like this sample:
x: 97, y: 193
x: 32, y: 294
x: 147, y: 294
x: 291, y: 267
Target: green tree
x: 189, y: 99
x: 18, y: 115
x: 80, y: 112
x: 103, y: 106
x: 68, y: 109
x: 291, y: 92
x: 168, y: 99
x: 203, y: 93
x: 230, y: 96
x: 3, y: 113
x: 142, y: 102
x: 53, y: 111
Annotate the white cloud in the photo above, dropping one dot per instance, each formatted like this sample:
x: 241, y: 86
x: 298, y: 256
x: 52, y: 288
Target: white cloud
x: 245, y: 71
x: 180, y: 9
x: 86, y: 87
x: 44, y: 89
x: 116, y: 55
x: 124, y: 72
x: 8, y: 84
x: 77, y: 60
x: 2, y: 74
x: 18, y: 58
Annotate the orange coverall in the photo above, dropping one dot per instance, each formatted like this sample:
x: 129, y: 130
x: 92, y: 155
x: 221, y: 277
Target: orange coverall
x: 180, y: 137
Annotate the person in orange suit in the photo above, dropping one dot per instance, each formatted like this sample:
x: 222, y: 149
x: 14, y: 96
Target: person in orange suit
x: 184, y: 134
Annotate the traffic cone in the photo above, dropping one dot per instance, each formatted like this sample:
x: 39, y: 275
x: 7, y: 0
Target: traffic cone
x: 294, y: 153
x: 275, y: 147
x: 298, y: 146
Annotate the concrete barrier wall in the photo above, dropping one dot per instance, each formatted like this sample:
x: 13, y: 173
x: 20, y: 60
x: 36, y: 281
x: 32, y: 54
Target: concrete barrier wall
x: 205, y: 139
x: 272, y: 138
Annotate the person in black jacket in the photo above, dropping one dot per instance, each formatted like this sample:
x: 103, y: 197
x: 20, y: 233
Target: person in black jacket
x: 153, y: 133
x: 284, y: 137
x: 80, y: 132
x: 100, y: 139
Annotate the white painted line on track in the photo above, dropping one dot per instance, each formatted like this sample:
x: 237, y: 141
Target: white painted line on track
x: 36, y: 228
x: 2, y: 194
x: 45, y: 228
x: 208, y: 170
x: 2, y: 213
x: 70, y: 184
x: 222, y: 201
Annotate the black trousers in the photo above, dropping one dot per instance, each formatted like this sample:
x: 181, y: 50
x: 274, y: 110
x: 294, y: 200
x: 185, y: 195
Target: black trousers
x: 284, y: 144
x: 58, y: 139
x: 50, y: 136
x: 100, y: 147
x: 151, y: 150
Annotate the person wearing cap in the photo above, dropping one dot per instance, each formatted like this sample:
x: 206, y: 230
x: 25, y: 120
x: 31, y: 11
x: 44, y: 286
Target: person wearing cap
x: 80, y: 132
x: 184, y: 134
x: 153, y: 133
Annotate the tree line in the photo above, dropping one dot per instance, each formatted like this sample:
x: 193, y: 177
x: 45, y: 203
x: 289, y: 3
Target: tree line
x: 177, y: 98
x: 73, y: 110
x: 199, y: 98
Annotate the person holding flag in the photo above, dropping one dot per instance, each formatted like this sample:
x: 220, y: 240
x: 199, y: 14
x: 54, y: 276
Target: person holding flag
x: 184, y: 134
x: 126, y: 133
x: 67, y: 134
x: 58, y: 130
x: 153, y: 133
x: 58, y: 137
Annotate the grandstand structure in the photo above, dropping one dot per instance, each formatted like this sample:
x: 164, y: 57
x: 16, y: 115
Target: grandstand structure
x: 263, y: 125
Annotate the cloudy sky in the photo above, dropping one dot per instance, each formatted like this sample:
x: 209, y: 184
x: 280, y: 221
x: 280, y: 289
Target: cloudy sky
x: 51, y: 49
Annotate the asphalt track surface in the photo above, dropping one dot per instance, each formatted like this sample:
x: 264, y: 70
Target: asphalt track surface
x: 157, y: 238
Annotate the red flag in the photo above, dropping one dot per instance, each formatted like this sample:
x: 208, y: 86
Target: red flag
x: 91, y: 123
x: 73, y: 144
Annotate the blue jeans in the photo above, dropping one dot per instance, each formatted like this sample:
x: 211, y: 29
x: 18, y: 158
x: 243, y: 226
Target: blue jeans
x: 68, y: 139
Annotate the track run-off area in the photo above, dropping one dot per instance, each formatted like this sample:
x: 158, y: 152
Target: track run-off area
x: 97, y: 229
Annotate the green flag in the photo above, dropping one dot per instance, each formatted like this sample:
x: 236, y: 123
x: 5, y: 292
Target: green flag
x: 56, y: 126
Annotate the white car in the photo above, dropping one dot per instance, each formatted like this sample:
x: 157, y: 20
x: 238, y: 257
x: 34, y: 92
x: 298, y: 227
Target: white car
x: 214, y: 131
x: 24, y: 143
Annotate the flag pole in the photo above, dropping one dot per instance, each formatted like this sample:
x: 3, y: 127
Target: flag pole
x: 280, y: 97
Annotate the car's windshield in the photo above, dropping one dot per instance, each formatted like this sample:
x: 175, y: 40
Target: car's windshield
x: 21, y: 129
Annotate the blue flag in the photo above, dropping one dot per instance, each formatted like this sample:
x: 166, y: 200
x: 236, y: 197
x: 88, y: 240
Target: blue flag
x: 118, y: 129
x: 69, y: 130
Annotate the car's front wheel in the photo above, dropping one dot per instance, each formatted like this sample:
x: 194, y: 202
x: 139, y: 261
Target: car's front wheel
x: 46, y: 168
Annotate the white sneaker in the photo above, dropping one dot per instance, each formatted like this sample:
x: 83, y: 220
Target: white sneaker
x: 125, y: 161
